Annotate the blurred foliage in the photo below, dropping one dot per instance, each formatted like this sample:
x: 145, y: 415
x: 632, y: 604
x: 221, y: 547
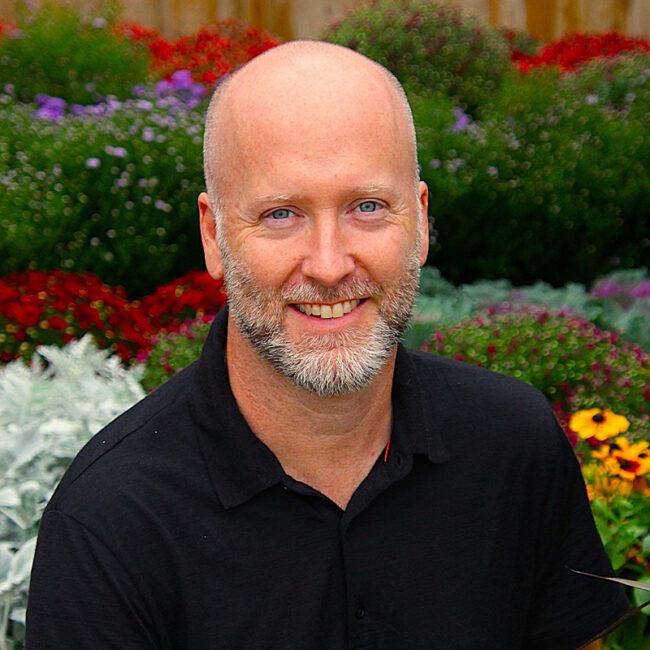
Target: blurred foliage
x: 58, y: 52
x: 430, y: 47
x: 552, y: 185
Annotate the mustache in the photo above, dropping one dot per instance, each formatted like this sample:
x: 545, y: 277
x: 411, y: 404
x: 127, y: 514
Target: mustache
x: 305, y: 292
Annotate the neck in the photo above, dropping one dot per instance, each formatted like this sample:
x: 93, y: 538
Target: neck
x: 329, y: 443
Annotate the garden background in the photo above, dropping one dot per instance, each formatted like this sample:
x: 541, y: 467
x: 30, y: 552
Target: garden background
x: 536, y: 155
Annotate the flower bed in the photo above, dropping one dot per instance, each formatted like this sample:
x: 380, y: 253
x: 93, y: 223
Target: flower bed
x: 208, y: 54
x: 53, y: 308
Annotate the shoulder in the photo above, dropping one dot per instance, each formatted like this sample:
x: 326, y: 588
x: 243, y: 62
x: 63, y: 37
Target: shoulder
x: 477, y: 407
x: 123, y: 458
x: 484, y: 388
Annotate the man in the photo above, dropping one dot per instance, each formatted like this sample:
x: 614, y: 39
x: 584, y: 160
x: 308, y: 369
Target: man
x: 307, y: 483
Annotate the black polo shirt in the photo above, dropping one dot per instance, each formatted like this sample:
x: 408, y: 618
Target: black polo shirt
x: 177, y: 528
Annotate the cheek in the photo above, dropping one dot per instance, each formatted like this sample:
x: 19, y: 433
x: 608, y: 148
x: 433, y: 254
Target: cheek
x: 269, y: 264
x: 387, y: 259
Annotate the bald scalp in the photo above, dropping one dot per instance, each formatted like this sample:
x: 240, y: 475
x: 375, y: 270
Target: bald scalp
x: 320, y: 77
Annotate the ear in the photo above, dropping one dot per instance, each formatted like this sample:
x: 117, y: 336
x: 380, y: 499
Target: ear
x: 423, y: 196
x: 208, y: 225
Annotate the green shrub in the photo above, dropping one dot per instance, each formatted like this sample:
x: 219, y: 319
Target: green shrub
x: 173, y: 351
x: 59, y: 53
x: 621, y: 82
x: 429, y: 47
x: 570, y: 360
x: 552, y: 186
x: 111, y: 191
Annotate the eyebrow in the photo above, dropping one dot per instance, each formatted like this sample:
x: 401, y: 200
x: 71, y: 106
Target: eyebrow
x: 356, y: 191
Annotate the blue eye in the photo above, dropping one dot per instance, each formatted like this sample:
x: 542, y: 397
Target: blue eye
x: 280, y: 214
x: 368, y: 206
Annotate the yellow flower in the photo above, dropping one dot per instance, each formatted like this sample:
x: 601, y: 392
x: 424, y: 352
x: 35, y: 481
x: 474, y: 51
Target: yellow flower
x: 625, y: 459
x: 601, y: 424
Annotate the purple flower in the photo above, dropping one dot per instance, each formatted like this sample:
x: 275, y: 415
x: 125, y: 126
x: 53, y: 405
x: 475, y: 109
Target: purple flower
x: 93, y: 163
x: 182, y: 80
x: 642, y: 290
x: 148, y: 134
x: 163, y: 87
x: 462, y: 120
x: 606, y: 289
x: 50, y: 108
x: 99, y: 22
x: 118, y: 152
x: 144, y: 105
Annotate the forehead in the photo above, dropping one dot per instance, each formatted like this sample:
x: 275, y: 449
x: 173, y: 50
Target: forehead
x: 311, y: 111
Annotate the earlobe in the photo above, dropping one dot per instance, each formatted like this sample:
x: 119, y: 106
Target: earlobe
x: 208, y: 226
x: 424, y: 222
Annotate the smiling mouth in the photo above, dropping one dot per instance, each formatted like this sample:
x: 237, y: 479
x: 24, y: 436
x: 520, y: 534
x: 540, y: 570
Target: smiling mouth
x: 337, y: 310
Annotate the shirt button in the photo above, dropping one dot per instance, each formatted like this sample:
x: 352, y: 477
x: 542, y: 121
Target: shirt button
x: 360, y: 612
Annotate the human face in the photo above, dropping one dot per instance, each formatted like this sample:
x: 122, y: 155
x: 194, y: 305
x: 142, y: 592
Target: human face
x: 323, y: 232
x: 330, y: 363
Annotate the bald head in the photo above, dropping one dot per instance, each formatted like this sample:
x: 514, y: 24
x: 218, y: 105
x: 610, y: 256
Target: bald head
x: 302, y: 88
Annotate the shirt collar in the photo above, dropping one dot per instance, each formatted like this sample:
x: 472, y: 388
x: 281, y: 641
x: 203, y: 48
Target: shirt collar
x: 240, y: 465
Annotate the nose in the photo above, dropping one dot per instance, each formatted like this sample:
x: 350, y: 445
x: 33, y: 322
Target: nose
x: 328, y: 259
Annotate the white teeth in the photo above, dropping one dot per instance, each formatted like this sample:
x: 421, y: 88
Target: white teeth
x: 328, y: 311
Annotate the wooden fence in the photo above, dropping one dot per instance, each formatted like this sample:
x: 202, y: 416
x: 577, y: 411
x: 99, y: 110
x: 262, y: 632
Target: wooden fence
x: 292, y: 19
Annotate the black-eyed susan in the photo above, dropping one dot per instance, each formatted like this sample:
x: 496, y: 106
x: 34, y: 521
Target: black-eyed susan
x: 628, y: 460
x: 601, y: 424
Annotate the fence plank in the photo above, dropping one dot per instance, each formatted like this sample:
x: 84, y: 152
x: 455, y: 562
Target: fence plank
x: 291, y: 19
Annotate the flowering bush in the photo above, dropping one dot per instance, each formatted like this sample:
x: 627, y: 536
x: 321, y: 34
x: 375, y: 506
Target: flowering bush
x: 53, y: 308
x: 571, y: 361
x: 569, y: 52
x: 173, y: 351
x: 39, y: 308
x: 105, y: 189
x: 47, y: 412
x: 429, y: 47
x: 57, y: 52
x: 208, y: 54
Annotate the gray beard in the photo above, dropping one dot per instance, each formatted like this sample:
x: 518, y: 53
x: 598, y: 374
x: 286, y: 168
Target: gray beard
x: 328, y: 365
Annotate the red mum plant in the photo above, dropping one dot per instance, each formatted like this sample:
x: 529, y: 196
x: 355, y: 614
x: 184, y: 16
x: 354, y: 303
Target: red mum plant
x: 208, y: 54
x: 54, y: 307
x: 570, y: 52
x: 190, y: 297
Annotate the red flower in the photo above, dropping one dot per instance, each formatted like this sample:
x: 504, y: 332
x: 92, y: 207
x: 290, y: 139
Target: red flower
x: 27, y: 315
x: 57, y: 322
x: 570, y: 52
x: 208, y: 54
x: 55, y: 307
